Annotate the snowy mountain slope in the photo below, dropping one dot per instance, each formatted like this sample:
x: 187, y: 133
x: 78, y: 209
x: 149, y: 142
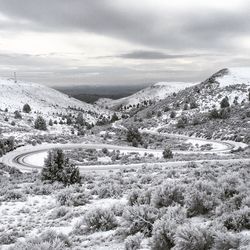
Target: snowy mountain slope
x: 190, y: 110
x: 154, y: 93
x: 233, y: 76
x: 42, y: 99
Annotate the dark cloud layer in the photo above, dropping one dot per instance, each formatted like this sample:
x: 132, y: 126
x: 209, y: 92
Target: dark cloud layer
x: 197, y: 28
x: 207, y: 37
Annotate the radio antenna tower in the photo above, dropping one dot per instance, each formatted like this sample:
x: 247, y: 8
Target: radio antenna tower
x: 15, y: 77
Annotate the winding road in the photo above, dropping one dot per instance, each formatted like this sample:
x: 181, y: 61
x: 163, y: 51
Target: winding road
x: 28, y: 158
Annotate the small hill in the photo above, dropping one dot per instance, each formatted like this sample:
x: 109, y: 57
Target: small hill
x: 149, y: 95
x: 42, y: 99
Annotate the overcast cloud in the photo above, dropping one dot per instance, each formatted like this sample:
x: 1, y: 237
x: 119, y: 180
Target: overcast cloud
x: 66, y: 42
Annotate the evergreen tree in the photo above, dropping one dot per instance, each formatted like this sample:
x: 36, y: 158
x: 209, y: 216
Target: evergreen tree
x: 114, y: 117
x: 214, y: 114
x: 167, y: 153
x: 133, y: 135
x: 224, y: 103
x: 26, y: 108
x: 180, y: 123
x: 69, y: 121
x: 50, y: 122
x: 57, y: 167
x: 79, y: 119
x: 193, y: 105
x: 185, y: 106
x: 40, y: 123
x: 17, y: 115
x: 172, y: 114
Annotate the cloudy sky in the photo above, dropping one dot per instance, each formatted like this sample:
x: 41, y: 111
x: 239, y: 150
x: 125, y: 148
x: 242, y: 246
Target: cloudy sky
x: 64, y: 42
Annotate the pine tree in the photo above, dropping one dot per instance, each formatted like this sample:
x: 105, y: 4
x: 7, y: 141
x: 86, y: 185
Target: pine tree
x: 26, y: 108
x: 17, y: 115
x: 224, y: 103
x: 50, y: 122
x: 114, y: 117
x: 40, y: 123
x: 79, y: 119
x: 57, y: 167
x: 167, y: 153
x: 172, y: 114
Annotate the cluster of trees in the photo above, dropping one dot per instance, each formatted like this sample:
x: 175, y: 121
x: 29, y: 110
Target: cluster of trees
x: 57, y: 167
x: 6, y: 145
x: 134, y: 136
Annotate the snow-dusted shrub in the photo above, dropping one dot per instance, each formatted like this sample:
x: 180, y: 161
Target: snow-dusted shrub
x: 14, y: 195
x: 200, y: 198
x: 66, y: 197
x: 139, y: 219
x: 133, y: 242
x: 226, y: 241
x: 237, y: 220
x: 232, y: 204
x: 139, y: 197
x: 229, y: 186
x: 39, y: 188
x: 109, y: 190
x: 100, y: 219
x: 165, y: 228
x: 7, y: 238
x: 163, y: 235
x: 59, y: 212
x: 168, y: 194
x: 46, y: 241
x: 189, y: 237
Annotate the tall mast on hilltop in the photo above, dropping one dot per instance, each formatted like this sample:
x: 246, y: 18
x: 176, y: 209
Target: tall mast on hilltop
x: 15, y: 77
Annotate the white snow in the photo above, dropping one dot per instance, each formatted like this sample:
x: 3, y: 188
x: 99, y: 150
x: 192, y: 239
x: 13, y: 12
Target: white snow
x: 235, y: 76
x: 42, y: 99
x: 156, y: 92
x: 36, y: 159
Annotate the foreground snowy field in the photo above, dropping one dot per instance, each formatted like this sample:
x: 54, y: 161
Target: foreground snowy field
x: 150, y: 208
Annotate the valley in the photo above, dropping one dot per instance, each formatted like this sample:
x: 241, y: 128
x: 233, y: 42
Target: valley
x: 151, y: 170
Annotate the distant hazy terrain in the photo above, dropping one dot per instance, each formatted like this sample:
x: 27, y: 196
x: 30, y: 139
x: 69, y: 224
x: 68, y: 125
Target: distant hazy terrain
x: 91, y: 94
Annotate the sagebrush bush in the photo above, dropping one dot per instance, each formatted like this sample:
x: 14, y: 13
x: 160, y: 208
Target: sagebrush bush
x: 164, y: 229
x: 237, y: 220
x: 139, y: 219
x: 59, y: 212
x: 189, y: 237
x: 66, y: 197
x: 100, y: 219
x: 14, y: 195
x: 200, y: 198
x: 7, y: 238
x: 133, y: 242
x: 139, y: 197
x: 226, y: 241
x: 163, y: 235
x: 46, y: 241
x: 109, y: 190
x: 168, y: 194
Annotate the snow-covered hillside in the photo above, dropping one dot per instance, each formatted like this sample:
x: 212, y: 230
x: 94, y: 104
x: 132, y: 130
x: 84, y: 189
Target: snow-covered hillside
x: 42, y: 99
x: 233, y: 76
x: 154, y: 93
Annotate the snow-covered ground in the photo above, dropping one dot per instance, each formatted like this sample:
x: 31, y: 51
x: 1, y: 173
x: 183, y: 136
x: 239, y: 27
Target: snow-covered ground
x: 42, y: 99
x: 154, y: 93
x: 237, y: 75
